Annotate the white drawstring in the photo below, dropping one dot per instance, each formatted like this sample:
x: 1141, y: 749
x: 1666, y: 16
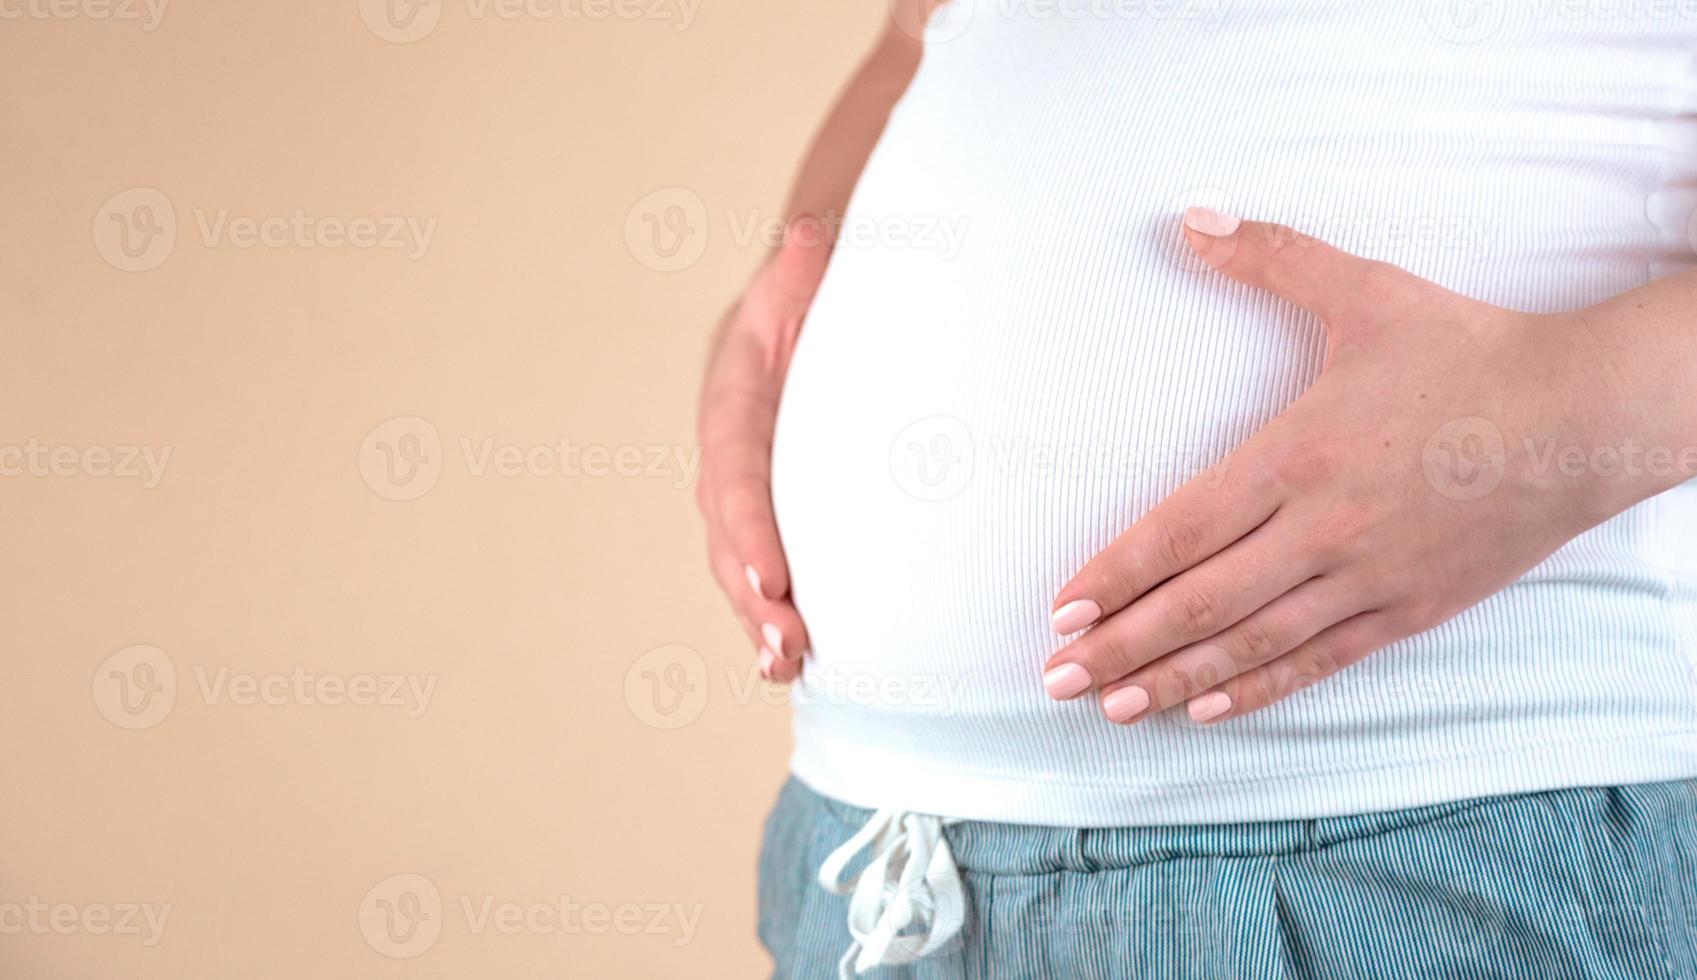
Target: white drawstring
x: 901, y: 920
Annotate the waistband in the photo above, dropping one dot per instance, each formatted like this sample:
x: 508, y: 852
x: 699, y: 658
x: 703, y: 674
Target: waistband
x: 1007, y: 848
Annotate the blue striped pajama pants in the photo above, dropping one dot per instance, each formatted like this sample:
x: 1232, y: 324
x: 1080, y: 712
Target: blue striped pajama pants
x: 1573, y: 883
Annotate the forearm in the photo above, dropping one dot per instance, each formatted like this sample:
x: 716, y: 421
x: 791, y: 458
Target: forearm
x: 1644, y: 345
x: 852, y: 128
x: 751, y: 346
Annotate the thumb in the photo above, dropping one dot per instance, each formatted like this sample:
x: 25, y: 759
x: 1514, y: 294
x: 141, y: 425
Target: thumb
x: 1332, y: 284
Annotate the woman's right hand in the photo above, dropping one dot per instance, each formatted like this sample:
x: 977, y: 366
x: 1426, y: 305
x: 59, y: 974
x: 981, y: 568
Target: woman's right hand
x: 739, y: 408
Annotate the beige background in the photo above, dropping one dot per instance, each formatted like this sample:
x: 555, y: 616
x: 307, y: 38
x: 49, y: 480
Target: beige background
x: 280, y: 560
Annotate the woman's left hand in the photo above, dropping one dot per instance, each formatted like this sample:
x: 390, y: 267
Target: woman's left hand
x: 1447, y: 447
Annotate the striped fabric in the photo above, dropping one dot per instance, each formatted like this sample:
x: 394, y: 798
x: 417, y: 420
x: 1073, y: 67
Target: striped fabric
x: 1570, y: 884
x: 1012, y: 356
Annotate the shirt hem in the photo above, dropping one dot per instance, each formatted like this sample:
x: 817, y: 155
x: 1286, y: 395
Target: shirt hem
x: 904, y: 783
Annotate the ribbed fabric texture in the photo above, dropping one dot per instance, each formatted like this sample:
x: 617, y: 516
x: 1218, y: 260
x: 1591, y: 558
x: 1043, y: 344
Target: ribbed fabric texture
x: 1570, y: 884
x: 1013, y: 356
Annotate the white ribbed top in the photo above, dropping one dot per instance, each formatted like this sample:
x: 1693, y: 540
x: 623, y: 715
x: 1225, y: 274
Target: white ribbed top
x: 1013, y: 356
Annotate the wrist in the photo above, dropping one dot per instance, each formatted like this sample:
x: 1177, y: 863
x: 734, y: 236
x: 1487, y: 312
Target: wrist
x: 1631, y: 432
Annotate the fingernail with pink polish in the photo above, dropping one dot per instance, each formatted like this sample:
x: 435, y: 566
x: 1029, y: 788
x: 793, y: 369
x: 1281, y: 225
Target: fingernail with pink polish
x: 753, y: 580
x: 1214, y: 224
x: 1066, y: 681
x: 1125, y: 704
x: 1075, y: 615
x: 773, y: 636
x: 767, y: 659
x: 1210, y: 706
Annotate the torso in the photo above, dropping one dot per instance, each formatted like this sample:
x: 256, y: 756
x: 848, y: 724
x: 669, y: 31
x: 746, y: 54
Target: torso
x: 1028, y: 359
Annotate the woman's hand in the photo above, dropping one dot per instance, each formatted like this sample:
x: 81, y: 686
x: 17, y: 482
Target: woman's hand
x: 1447, y: 447
x: 739, y: 407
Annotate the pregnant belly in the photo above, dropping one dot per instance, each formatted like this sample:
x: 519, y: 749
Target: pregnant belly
x: 1013, y: 354
x: 959, y: 435
x: 960, y: 432
x: 971, y: 416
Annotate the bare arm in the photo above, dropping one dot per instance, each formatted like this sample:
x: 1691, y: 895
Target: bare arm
x: 839, y: 151
x: 751, y: 351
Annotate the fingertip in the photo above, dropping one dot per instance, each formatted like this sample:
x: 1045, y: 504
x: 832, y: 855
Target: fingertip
x: 1210, y: 223
x: 1066, y: 681
x: 1075, y: 615
x: 1125, y: 705
x: 777, y: 669
x: 1211, y: 234
x: 776, y: 580
x: 1211, y: 707
x: 770, y: 585
x: 1215, y: 252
